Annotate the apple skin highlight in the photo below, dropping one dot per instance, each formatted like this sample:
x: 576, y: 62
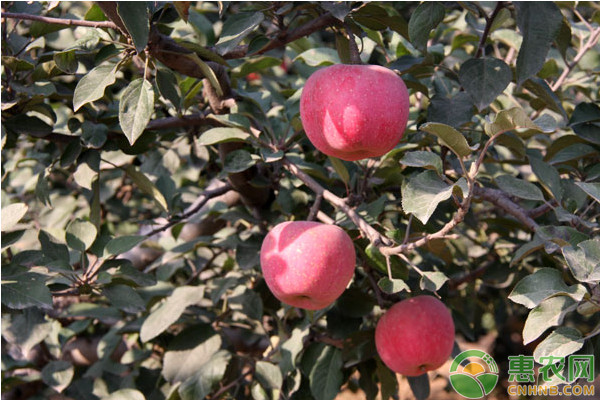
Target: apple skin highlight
x: 307, y: 264
x: 354, y: 111
x: 415, y: 335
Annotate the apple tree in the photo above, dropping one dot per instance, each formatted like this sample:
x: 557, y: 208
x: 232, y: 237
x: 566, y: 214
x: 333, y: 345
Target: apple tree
x: 149, y: 147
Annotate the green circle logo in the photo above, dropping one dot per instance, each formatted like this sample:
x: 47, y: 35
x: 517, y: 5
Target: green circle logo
x: 469, y: 375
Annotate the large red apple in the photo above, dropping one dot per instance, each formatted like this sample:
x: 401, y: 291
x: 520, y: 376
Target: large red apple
x: 354, y: 111
x: 415, y: 335
x: 307, y: 264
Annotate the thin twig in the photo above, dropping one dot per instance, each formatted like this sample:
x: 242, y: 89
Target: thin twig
x: 198, y: 204
x: 591, y: 42
x: 370, y: 233
x: 314, y: 210
x: 286, y: 37
x: 60, y: 21
x: 324, y: 218
x: 486, y: 31
x: 408, y: 225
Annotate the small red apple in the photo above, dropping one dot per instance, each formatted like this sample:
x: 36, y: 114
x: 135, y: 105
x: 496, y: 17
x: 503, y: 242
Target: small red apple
x: 354, y: 111
x: 416, y: 335
x: 307, y: 264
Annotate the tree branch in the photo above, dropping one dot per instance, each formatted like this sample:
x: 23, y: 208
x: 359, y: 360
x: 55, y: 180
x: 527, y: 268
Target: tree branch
x: 486, y: 31
x: 286, y: 37
x: 543, y: 209
x: 370, y: 233
x: 499, y: 199
x: 60, y: 21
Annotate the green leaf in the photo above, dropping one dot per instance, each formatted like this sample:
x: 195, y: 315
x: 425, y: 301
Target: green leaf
x: 189, y: 351
x: 326, y: 375
x: 58, y: 374
x: 222, y: 135
x: 539, y: 23
x: 80, y: 235
x: 207, y: 71
x: 85, y: 176
x: 27, y: 329
x: 449, y: 137
x: 134, y: 15
x: 125, y: 394
x: 540, y: 88
x: 146, y: 186
x: 16, y: 64
x: 508, y: 120
x: 170, y: 310
x: 392, y: 285
x: 269, y: 375
x: 238, y: 161
x: 387, y: 379
x: 422, y: 159
x: 122, y: 269
x: 290, y: 350
x: 419, y: 386
x: 542, y: 284
x: 548, y: 313
x: 355, y: 303
x: 125, y: 298
x: 319, y: 56
x: 10, y: 238
x: 201, y: 384
x: 167, y: 86
x: 66, y: 61
x: 92, y: 86
x: 519, y: 188
x: 27, y: 125
x: 592, y: 189
x: 340, y: 169
x: 135, y: 108
x: 123, y: 244
x: 376, y: 17
x: 585, y: 121
x: 338, y: 9
x: 426, y: 17
x: 573, y: 152
x: 422, y: 194
x: 560, y: 343
x: 11, y: 215
x: 584, y: 261
x: 94, y: 135
x: 25, y: 290
x: 484, y: 79
x: 236, y: 28
x: 548, y: 176
x: 52, y: 249
x: 433, y: 280
x: 257, y: 64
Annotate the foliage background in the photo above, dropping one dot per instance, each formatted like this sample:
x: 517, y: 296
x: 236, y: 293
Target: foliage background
x: 146, y: 154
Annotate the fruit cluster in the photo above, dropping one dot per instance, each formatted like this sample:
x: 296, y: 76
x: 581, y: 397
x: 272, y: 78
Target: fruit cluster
x: 353, y: 112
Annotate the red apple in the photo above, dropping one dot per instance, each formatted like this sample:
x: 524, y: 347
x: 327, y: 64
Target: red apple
x: 354, y: 111
x: 415, y: 336
x: 307, y: 264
